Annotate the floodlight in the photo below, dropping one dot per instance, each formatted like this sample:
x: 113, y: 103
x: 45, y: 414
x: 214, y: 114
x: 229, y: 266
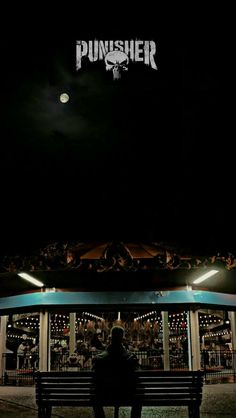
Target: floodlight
x: 205, y: 276
x: 31, y: 279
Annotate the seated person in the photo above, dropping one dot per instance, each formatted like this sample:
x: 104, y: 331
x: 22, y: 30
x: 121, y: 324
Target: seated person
x: 114, y: 375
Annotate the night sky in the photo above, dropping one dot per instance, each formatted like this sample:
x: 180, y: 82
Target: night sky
x: 145, y: 158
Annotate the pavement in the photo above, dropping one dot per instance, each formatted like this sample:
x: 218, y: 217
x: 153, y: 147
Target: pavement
x: 219, y: 401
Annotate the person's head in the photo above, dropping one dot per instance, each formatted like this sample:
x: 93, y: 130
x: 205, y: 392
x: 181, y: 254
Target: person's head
x: 117, y: 335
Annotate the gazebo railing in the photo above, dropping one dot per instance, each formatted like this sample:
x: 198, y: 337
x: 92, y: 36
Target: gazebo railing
x: 218, y: 365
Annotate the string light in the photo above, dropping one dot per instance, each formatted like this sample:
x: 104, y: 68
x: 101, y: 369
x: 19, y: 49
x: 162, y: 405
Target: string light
x: 217, y: 334
x: 145, y: 315
x: 177, y: 321
x: 93, y: 316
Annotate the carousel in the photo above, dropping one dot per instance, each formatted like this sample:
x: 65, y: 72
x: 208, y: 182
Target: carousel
x: 59, y: 304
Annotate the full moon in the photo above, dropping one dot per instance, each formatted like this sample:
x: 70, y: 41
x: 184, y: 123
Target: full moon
x: 64, y: 98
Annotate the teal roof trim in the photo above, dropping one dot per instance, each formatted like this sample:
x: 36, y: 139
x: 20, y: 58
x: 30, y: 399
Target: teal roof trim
x: 139, y: 299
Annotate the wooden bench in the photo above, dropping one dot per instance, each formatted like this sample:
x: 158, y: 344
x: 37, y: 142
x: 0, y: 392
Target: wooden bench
x: 154, y: 388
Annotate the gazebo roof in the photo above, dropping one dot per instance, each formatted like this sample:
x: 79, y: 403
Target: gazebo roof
x: 115, y: 266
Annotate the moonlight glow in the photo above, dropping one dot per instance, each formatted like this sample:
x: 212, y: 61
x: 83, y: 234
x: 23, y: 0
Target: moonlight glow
x: 64, y: 98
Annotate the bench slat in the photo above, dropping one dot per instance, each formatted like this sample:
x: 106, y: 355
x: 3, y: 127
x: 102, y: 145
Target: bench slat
x: 154, y: 388
x: 157, y: 396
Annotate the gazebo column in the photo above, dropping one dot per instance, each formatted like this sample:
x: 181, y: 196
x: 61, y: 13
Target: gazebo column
x: 3, y: 338
x: 72, y: 341
x: 232, y: 316
x: 166, y: 342
x: 193, y: 341
x: 44, y: 341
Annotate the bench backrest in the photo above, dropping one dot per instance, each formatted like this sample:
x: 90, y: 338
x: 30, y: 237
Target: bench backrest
x: 153, y: 388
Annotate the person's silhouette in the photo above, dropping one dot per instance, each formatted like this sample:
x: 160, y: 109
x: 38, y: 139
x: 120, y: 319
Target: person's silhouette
x: 115, y: 376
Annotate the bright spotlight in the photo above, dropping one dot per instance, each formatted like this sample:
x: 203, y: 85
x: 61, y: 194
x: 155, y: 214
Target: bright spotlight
x: 31, y: 279
x: 206, y: 276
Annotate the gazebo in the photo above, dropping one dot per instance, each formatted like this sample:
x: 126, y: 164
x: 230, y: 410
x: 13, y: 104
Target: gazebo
x: 163, y: 297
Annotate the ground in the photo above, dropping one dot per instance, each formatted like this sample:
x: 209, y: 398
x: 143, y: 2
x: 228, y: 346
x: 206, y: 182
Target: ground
x: 219, y: 401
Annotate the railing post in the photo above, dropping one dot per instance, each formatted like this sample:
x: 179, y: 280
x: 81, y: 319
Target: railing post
x: 166, y: 342
x: 3, y: 338
x: 232, y: 316
x: 72, y: 340
x: 193, y: 341
x: 44, y: 341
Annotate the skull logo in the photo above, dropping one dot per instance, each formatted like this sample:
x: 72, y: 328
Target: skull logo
x: 116, y: 61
